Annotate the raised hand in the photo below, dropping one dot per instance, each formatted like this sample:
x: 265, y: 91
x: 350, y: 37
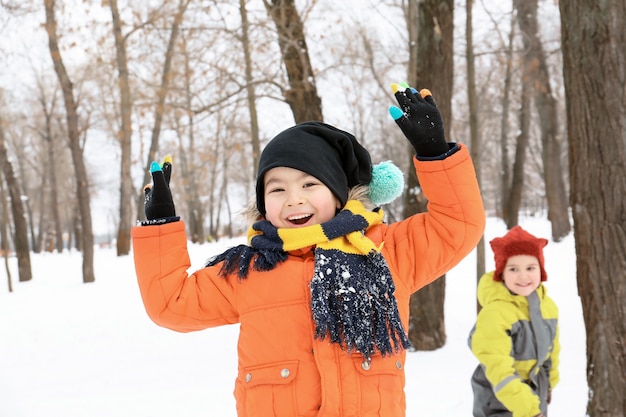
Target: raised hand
x: 158, y: 202
x: 419, y: 119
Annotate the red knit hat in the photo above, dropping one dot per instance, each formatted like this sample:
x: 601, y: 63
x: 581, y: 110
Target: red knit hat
x: 517, y: 242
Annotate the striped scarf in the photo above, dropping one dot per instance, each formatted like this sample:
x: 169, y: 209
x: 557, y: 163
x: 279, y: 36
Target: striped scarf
x: 352, y: 291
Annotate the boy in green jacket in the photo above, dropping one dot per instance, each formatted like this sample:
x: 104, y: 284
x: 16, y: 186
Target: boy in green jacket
x: 515, y: 337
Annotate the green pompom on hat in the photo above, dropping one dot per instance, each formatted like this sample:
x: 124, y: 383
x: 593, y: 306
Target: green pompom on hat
x: 387, y: 183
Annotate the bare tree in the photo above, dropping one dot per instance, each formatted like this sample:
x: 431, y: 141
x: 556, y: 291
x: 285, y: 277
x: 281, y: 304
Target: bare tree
x: 430, y: 24
x: 535, y: 70
x: 48, y: 105
x: 20, y: 237
x: 125, y: 134
x: 512, y: 179
x: 71, y: 109
x: 187, y: 154
x: 513, y: 187
x: 594, y: 59
x: 4, y: 235
x: 251, y: 94
x: 162, y: 91
x: 475, y: 142
x: 302, y: 94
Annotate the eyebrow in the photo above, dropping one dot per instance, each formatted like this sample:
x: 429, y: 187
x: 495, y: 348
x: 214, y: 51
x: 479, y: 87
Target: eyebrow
x: 278, y: 179
x: 273, y: 180
x: 517, y: 265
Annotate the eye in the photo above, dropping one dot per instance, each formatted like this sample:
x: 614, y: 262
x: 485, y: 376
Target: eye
x: 275, y: 190
x: 310, y: 182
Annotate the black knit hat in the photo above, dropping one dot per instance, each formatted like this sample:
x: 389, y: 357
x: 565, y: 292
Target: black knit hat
x: 321, y: 150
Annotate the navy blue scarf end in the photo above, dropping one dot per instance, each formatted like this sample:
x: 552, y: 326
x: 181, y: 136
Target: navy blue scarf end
x: 240, y: 258
x: 353, y: 303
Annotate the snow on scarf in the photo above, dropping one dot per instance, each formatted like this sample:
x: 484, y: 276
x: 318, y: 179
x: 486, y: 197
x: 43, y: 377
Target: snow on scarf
x: 352, y: 291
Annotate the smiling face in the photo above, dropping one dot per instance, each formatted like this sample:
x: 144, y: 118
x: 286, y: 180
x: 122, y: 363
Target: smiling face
x: 522, y: 274
x: 294, y: 198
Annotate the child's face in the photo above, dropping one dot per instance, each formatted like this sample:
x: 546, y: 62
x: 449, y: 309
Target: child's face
x: 522, y: 274
x: 294, y: 198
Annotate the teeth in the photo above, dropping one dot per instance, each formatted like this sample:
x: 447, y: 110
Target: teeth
x: 298, y: 217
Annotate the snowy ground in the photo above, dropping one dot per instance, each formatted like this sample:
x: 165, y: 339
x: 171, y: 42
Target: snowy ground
x: 69, y: 349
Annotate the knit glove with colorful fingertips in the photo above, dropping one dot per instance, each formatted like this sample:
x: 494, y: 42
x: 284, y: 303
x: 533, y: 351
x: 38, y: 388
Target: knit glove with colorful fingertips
x: 419, y: 119
x: 158, y: 203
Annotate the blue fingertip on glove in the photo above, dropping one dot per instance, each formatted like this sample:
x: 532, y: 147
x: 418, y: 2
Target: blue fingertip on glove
x: 154, y: 167
x: 395, y: 112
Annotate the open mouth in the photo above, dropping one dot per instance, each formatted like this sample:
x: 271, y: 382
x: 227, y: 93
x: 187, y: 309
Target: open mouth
x: 300, y: 219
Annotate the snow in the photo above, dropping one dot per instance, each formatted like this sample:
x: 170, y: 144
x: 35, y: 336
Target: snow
x: 70, y: 349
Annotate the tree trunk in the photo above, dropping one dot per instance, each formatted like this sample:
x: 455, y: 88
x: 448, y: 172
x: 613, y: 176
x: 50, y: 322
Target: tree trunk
x: 302, y: 94
x: 124, y: 136
x: 4, y: 235
x: 22, y: 250
x: 22, y: 169
x: 430, y: 25
x: 505, y: 161
x: 476, y: 149
x: 54, y: 188
x: 38, y: 243
x: 82, y: 183
x: 251, y: 95
x: 160, y: 104
x: 512, y: 195
x: 188, y: 157
x: 216, y: 168
x: 535, y: 70
x: 594, y: 58
x: 187, y: 170
x: 54, y: 199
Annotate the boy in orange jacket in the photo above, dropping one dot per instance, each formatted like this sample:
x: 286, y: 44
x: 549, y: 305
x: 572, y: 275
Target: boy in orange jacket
x: 321, y: 291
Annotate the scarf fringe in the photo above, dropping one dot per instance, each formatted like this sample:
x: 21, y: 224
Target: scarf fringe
x: 353, y: 303
x: 352, y: 291
x: 240, y: 258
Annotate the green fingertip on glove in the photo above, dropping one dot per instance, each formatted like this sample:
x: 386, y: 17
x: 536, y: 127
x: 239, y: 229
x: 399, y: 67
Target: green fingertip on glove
x: 395, y: 87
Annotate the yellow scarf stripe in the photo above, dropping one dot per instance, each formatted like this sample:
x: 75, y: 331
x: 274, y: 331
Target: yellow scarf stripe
x: 354, y: 242
x: 252, y: 233
x: 301, y: 237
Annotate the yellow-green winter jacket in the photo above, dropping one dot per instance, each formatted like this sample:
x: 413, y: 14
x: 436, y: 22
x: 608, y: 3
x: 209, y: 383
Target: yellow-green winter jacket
x: 509, y: 376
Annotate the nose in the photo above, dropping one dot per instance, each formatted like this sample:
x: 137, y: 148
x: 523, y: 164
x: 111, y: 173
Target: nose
x: 294, y: 198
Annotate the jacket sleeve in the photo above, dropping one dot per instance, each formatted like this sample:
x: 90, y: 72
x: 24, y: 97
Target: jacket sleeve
x: 554, y: 356
x: 492, y: 346
x: 426, y: 245
x: 173, y: 298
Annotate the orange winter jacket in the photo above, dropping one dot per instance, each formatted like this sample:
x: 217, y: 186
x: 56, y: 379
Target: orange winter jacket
x: 283, y: 370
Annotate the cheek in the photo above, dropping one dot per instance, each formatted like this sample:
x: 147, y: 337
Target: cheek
x: 337, y: 202
x: 270, y: 208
